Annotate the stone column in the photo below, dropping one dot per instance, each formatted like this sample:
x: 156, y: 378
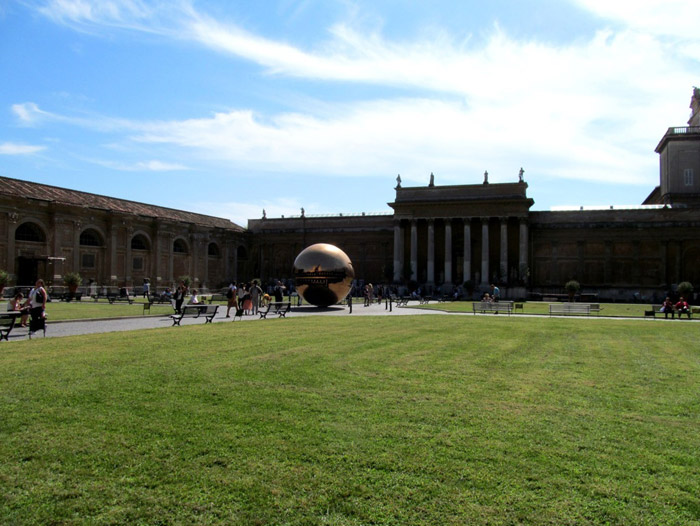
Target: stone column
x: 467, y: 264
x: 205, y: 270
x: 171, y: 260
x: 112, y: 248
x: 12, y: 223
x: 523, y: 259
x: 155, y: 266
x: 504, y: 249
x: 398, y: 251
x: 76, y: 246
x: 129, y: 263
x: 448, y: 251
x: 484, y: 250
x: 193, y: 258
x: 431, y: 251
x: 414, y: 250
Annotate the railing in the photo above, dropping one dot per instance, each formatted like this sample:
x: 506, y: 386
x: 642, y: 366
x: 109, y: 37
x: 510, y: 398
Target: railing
x: 683, y: 130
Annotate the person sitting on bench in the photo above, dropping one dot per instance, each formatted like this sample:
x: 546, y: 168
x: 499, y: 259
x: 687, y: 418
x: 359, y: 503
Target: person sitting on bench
x: 682, y: 307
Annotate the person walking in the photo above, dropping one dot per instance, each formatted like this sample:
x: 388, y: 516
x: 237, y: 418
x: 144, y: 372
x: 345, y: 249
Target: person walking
x: 37, y: 308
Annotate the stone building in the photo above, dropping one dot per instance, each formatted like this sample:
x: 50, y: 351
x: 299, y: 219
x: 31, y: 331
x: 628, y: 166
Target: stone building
x: 47, y: 231
x: 436, y: 236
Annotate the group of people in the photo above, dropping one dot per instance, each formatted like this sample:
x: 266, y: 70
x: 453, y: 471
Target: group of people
x: 245, y: 298
x: 680, y: 307
x: 33, y: 307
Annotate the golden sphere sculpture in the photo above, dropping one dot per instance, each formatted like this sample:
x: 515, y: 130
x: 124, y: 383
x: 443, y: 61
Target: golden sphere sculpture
x: 323, y: 274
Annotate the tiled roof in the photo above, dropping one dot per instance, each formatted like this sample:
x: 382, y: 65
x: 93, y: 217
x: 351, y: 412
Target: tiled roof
x: 64, y: 196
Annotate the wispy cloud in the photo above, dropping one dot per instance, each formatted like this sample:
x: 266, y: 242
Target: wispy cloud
x: 142, y: 166
x: 582, y: 110
x: 12, y: 148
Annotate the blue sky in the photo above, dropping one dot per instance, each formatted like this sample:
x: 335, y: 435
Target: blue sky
x: 228, y: 108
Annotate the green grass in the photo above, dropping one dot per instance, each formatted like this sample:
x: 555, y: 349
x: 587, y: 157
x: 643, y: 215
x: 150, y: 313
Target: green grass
x: 624, y: 310
x: 59, y: 310
x: 414, y: 420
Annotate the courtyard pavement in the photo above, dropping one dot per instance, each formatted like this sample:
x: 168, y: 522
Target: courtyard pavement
x: 79, y: 327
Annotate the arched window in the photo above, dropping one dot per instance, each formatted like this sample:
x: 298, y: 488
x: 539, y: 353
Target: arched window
x: 213, y: 250
x: 242, y: 253
x: 179, y: 247
x: 138, y: 242
x: 30, y: 232
x: 90, y: 238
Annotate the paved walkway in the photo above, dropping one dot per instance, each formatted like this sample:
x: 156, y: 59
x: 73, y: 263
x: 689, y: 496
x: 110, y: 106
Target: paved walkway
x: 71, y: 328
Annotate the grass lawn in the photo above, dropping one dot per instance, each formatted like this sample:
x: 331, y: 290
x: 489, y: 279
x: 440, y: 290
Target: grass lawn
x: 626, y: 310
x: 59, y: 310
x: 430, y: 420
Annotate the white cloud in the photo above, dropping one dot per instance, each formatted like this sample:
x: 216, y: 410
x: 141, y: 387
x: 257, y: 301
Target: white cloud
x: 586, y: 110
x: 11, y: 148
x: 143, y: 166
x: 674, y: 18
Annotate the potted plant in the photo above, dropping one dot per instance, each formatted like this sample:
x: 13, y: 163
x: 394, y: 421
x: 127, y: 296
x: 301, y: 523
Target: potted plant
x: 72, y: 280
x: 572, y: 287
x: 4, y: 280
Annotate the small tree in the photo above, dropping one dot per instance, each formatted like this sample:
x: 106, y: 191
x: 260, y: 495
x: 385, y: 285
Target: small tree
x: 572, y: 287
x: 685, y: 289
x: 72, y: 280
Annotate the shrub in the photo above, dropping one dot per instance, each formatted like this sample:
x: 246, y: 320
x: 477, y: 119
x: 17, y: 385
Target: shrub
x: 685, y: 288
x: 572, y: 287
x: 72, y: 279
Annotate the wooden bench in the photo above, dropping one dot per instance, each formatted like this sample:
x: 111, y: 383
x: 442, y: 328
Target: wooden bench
x: 275, y: 307
x: 495, y: 307
x: 424, y: 300
x: 7, y: 323
x: 570, y: 308
x: 114, y: 298
x: 518, y: 306
x: 195, y: 311
x: 71, y: 296
x: 402, y: 301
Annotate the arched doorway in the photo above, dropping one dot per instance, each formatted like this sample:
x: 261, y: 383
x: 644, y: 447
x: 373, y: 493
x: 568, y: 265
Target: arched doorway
x: 32, y: 253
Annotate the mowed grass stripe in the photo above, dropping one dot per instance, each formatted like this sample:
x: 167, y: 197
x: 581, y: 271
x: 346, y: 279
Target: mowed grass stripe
x: 410, y: 420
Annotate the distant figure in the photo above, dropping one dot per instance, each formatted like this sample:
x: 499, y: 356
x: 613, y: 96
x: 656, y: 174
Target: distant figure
x: 521, y: 174
x: 667, y: 307
x: 495, y: 292
x: 398, y: 181
x: 194, y: 300
x: 432, y: 179
x: 486, y: 177
x: 682, y: 307
x: 264, y: 214
x: 37, y: 307
x: 146, y: 287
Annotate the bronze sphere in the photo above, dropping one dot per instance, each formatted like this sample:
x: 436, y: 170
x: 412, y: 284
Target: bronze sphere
x: 323, y: 274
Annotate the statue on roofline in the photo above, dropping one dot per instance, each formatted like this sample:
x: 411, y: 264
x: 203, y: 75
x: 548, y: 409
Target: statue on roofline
x: 398, y: 181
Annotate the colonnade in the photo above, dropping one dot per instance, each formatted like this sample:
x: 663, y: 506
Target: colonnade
x: 484, y: 222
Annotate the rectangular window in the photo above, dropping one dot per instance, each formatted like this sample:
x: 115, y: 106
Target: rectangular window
x: 88, y: 261
x: 688, y: 176
x: 138, y: 264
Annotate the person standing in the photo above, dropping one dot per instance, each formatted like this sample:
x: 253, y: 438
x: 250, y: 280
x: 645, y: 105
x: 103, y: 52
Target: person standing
x: 255, y: 294
x: 231, y: 299
x: 37, y: 307
x: 180, y: 295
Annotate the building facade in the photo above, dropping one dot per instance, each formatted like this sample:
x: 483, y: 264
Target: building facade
x: 435, y: 236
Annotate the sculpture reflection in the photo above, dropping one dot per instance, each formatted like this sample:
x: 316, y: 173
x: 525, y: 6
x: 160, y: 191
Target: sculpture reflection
x: 323, y: 274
